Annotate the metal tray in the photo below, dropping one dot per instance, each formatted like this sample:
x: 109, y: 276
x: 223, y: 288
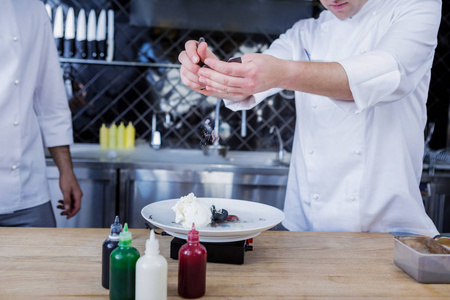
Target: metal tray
x: 423, y: 267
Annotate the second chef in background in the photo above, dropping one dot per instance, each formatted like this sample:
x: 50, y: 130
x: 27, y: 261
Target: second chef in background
x: 34, y: 111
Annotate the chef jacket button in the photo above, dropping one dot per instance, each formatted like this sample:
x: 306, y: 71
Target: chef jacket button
x: 14, y: 167
x: 310, y: 151
x: 16, y: 123
x: 316, y: 196
x: 352, y: 198
x: 362, y: 51
x: 16, y: 82
x: 374, y: 13
x: 15, y: 38
x: 324, y: 27
x: 314, y: 106
x: 357, y: 152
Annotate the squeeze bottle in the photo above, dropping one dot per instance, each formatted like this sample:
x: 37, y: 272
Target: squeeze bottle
x: 121, y: 136
x: 104, y: 136
x: 130, y: 134
x: 192, y: 267
x: 112, y: 141
x: 151, y: 272
x: 109, y: 245
x: 122, y: 267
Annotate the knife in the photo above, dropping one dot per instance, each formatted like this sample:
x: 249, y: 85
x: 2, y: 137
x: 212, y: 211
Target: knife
x: 48, y: 8
x: 91, y: 36
x: 69, y: 34
x: 80, y: 43
x: 58, y: 30
x: 101, y: 35
x: 67, y: 75
x: 110, y: 41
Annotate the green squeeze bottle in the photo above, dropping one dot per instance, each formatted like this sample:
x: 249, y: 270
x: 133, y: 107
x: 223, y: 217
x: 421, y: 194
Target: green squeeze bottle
x: 122, y: 266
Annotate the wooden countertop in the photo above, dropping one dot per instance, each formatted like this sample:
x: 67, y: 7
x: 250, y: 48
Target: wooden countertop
x: 63, y: 263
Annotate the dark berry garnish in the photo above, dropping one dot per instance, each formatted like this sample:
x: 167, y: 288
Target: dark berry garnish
x: 218, y: 216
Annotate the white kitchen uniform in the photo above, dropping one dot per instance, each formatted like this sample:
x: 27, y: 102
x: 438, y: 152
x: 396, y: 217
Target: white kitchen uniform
x: 33, y: 103
x: 356, y: 166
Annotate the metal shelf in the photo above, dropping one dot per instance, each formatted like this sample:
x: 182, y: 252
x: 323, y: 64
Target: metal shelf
x: 117, y: 63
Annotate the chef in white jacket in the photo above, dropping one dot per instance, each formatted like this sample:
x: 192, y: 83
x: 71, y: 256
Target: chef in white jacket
x: 34, y: 112
x: 361, y: 74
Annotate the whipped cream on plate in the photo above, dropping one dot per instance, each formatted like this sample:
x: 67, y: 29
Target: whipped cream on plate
x: 188, y: 210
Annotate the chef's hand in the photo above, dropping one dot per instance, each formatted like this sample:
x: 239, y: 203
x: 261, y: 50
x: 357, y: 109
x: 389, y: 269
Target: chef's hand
x: 72, y: 194
x: 189, y: 59
x: 234, y: 81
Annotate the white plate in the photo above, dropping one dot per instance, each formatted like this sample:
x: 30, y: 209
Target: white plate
x: 254, y: 218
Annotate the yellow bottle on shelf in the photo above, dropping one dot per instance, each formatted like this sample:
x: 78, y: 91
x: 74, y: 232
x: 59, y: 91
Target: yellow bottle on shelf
x: 112, y: 136
x: 104, y: 137
x: 130, y: 135
x: 121, y: 136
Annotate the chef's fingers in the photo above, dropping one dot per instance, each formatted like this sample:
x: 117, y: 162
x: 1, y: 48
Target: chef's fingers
x: 190, y: 79
x: 189, y: 72
x: 76, y: 196
x: 191, y: 51
x: 222, y: 83
x: 204, y: 52
x: 232, y: 69
x: 199, y: 88
x: 61, y: 205
x: 225, y: 91
x: 186, y: 61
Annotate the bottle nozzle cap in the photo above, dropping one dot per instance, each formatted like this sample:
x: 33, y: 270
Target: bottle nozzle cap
x: 116, y: 227
x: 193, y: 235
x: 152, y: 244
x: 125, y: 236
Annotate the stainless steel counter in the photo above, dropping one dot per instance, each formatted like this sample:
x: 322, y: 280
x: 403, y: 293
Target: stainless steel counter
x: 123, y: 182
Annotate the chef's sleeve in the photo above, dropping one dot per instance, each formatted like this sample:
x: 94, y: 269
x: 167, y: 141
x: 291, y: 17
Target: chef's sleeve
x: 400, y: 60
x: 50, y: 99
x: 281, y: 48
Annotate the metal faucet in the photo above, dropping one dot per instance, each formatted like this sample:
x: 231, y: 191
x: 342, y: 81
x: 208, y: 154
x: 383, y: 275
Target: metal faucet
x: 156, y: 135
x: 244, y: 123
x: 217, y: 121
x: 280, y: 142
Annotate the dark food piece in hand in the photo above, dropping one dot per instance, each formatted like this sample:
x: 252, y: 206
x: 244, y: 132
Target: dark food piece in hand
x: 206, y: 133
x: 218, y: 216
x: 235, y: 59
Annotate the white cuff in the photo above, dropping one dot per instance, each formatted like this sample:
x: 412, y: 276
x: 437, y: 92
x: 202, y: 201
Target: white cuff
x: 56, y: 131
x: 250, y: 101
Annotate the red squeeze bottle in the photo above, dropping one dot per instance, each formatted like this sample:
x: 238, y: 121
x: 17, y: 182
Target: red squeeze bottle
x: 192, y: 267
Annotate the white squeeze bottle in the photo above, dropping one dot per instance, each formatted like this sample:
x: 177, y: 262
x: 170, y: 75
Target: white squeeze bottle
x: 151, y: 272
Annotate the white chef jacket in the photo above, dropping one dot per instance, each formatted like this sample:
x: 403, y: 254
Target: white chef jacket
x: 356, y: 166
x: 33, y: 103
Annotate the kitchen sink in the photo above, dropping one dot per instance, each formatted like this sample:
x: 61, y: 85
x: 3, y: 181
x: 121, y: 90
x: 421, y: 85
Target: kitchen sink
x: 145, y: 154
